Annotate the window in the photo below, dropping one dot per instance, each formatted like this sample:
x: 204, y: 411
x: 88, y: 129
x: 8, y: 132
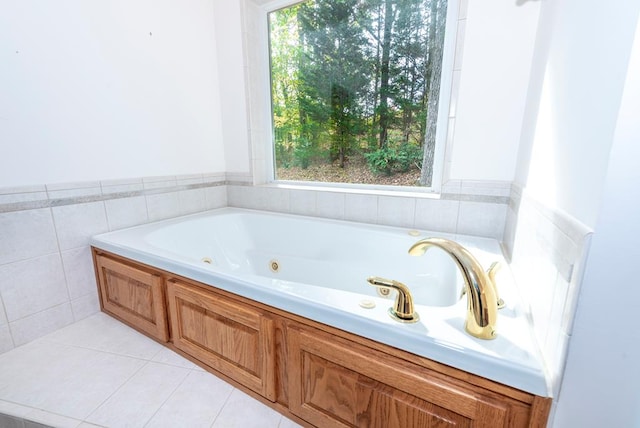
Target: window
x: 355, y: 90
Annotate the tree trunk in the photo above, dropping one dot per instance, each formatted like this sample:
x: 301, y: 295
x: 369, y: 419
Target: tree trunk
x: 439, y: 13
x: 384, y: 74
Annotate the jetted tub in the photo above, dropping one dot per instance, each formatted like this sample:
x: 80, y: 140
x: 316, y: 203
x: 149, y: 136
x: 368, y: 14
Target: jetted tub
x: 318, y: 268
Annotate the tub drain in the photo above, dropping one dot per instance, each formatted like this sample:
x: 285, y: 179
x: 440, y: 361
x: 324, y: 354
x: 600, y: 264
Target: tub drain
x: 274, y: 266
x: 207, y: 260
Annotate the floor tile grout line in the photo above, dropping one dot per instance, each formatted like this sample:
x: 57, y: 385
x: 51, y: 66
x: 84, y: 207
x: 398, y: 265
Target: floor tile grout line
x: 59, y: 253
x: 233, y: 388
x: 86, y: 418
x: 148, y: 360
x: 170, y: 395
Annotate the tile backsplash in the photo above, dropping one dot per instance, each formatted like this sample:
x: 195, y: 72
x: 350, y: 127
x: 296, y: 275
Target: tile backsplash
x: 476, y: 208
x: 548, y: 251
x: 46, y: 272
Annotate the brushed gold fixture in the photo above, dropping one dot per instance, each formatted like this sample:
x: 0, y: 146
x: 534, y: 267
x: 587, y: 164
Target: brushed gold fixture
x: 274, y: 265
x: 491, y: 272
x: 403, y: 308
x: 207, y: 260
x: 482, y: 302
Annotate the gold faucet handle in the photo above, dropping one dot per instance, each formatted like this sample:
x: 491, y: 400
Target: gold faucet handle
x: 491, y: 273
x: 403, y: 307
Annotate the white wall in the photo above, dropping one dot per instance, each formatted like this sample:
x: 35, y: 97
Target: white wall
x: 579, y: 69
x: 602, y: 375
x: 233, y: 92
x: 498, y: 48
x: 107, y: 89
x: 576, y: 87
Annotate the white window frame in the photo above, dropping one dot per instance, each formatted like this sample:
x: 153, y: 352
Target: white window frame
x: 258, y: 79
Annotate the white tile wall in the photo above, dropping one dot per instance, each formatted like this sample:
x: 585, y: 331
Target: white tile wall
x: 126, y: 212
x: 216, y: 197
x: 33, y: 285
x: 46, y: 272
x: 331, y: 205
x: 79, y: 272
x: 278, y: 200
x: 481, y: 212
x: 363, y: 208
x: 303, y: 202
x: 75, y: 224
x: 548, y: 250
x: 396, y: 211
x: 122, y: 186
x: 31, y: 327
x: 10, y: 195
x: 163, y: 205
x: 84, y: 306
x: 481, y: 219
x: 437, y: 214
x: 71, y: 190
x: 26, y: 234
x: 160, y: 182
x: 192, y: 201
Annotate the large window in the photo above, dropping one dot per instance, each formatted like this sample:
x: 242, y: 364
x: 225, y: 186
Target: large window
x: 355, y: 90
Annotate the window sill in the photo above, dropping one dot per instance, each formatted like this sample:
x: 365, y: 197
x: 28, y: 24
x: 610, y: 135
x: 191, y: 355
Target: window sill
x: 361, y: 189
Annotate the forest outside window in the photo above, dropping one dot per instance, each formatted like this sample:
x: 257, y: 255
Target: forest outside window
x: 355, y: 87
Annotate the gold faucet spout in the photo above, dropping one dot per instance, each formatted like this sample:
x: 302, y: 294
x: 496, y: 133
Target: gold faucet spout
x: 482, y: 307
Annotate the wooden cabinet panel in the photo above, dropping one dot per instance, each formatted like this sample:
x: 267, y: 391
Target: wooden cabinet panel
x: 324, y: 376
x: 233, y: 338
x: 337, y: 384
x: 133, y: 295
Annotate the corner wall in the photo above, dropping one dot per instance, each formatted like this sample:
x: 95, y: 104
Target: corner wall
x: 577, y: 83
x: 602, y: 366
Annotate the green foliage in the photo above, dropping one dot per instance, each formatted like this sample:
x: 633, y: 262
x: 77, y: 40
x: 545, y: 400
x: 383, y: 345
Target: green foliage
x: 389, y: 159
x: 382, y: 160
x: 409, y: 156
x: 303, y: 153
x: 350, y: 76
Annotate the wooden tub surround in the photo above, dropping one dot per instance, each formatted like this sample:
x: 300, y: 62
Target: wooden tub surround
x: 317, y: 375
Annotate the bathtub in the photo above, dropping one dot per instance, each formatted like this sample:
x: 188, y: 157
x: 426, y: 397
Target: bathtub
x: 317, y: 269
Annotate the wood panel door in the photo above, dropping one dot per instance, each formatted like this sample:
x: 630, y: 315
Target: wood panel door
x: 235, y: 339
x: 337, y: 384
x: 133, y: 295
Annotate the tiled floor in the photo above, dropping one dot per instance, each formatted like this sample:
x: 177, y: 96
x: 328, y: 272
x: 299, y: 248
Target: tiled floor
x: 100, y: 373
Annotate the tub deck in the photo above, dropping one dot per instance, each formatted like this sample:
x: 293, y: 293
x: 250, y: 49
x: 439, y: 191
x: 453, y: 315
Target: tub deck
x: 98, y: 372
x: 513, y: 358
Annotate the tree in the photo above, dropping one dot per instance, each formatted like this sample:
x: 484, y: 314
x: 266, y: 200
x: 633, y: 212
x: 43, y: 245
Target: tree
x: 436, y: 42
x: 356, y: 76
x: 332, y: 76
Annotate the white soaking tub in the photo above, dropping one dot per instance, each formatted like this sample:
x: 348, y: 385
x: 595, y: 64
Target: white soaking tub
x: 317, y: 269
